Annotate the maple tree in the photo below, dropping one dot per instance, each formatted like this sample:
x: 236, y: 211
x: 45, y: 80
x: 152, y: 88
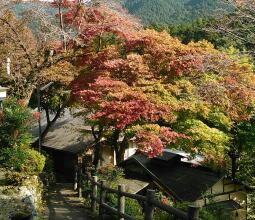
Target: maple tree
x: 36, y: 51
x: 137, y: 84
x: 116, y: 107
x: 36, y: 62
x: 31, y: 58
x: 196, y: 89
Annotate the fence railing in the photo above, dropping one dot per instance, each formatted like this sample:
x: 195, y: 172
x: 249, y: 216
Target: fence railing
x: 149, y: 202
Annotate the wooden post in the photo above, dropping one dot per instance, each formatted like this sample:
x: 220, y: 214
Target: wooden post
x: 121, y: 201
x: 193, y: 212
x: 102, y: 199
x: 87, y: 177
x: 149, y: 208
x: 87, y: 182
x: 94, y: 195
x: 8, y: 66
x: 75, y: 185
x: 80, y: 183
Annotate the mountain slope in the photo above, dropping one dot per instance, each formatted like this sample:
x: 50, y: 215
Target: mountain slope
x: 171, y: 11
x: 160, y: 11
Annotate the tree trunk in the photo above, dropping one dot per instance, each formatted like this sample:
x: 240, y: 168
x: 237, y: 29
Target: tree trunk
x: 47, y: 115
x: 114, y: 142
x: 97, y: 149
x: 96, y: 155
x: 120, y: 154
x: 119, y: 147
x: 50, y: 123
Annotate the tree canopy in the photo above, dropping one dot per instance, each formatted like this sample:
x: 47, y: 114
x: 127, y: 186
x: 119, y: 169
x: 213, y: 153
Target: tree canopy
x: 143, y: 79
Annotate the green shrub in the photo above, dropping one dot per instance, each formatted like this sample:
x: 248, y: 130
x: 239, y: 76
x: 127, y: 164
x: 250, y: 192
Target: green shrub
x: 22, y: 159
x: 48, y: 175
x: 111, y: 174
x: 15, y: 120
x: 134, y: 209
x: 161, y: 215
x: 35, y: 162
x: 210, y: 213
x: 205, y: 213
x: 13, y: 158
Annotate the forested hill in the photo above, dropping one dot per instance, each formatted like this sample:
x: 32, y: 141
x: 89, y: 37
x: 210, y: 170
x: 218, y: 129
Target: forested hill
x: 162, y: 11
x: 171, y: 11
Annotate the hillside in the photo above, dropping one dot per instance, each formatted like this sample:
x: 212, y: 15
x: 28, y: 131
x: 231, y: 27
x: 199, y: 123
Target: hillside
x: 161, y: 11
x: 171, y: 11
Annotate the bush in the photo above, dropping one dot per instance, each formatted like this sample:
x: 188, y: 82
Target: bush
x: 22, y: 159
x: 48, y: 175
x: 15, y: 120
x: 34, y: 163
x: 13, y: 158
x: 111, y: 174
x: 132, y: 207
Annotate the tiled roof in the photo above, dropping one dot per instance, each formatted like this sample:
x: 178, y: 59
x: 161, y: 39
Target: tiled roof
x: 183, y: 180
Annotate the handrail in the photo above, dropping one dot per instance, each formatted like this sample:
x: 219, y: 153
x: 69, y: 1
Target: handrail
x: 150, y: 202
x: 169, y: 209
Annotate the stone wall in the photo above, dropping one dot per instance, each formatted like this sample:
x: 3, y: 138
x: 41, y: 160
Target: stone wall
x: 20, y: 201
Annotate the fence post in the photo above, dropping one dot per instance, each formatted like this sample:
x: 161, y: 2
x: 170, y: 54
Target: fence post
x: 80, y: 183
x: 88, y: 178
x: 94, y: 195
x: 149, y: 208
x: 75, y: 185
x: 121, y: 201
x: 102, y: 199
x: 8, y: 66
x: 193, y: 212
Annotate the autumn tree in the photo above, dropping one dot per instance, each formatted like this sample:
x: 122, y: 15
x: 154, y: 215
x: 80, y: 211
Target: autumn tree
x: 199, y: 82
x: 51, y: 50
x: 237, y: 23
x: 117, y: 108
x: 33, y: 43
x: 239, y: 27
x: 198, y: 91
x: 105, y: 31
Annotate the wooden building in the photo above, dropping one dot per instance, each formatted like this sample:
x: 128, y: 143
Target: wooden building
x: 68, y: 140
x: 64, y: 142
x: 189, y: 182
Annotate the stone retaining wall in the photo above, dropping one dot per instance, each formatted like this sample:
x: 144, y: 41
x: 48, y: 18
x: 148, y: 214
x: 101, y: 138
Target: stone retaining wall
x: 21, y: 201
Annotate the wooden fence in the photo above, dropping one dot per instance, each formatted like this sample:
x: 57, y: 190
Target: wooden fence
x: 149, y: 201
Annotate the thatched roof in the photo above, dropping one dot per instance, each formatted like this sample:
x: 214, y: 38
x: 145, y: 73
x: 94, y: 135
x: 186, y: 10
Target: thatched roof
x: 67, y: 134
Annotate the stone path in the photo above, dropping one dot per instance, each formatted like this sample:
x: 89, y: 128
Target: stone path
x: 63, y: 204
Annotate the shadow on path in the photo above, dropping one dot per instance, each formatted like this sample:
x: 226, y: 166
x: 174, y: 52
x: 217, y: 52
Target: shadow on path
x: 63, y: 204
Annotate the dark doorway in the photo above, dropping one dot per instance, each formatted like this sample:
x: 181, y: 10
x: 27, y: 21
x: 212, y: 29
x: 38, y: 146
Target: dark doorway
x: 64, y: 164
